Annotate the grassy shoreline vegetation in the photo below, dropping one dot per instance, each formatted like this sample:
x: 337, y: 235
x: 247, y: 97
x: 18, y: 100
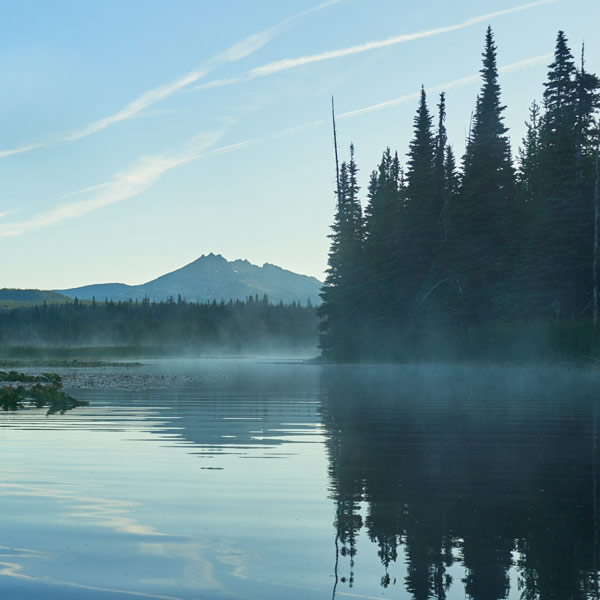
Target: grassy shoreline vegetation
x: 494, y: 258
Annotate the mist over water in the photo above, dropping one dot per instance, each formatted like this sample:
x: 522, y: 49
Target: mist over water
x: 253, y: 479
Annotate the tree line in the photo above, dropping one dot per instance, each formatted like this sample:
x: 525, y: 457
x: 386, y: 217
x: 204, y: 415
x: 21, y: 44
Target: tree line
x: 444, y: 252
x: 175, y: 326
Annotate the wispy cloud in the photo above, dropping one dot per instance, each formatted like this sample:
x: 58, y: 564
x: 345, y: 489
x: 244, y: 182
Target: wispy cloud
x: 292, y: 63
x: 234, y: 53
x: 123, y: 186
x: 24, y: 148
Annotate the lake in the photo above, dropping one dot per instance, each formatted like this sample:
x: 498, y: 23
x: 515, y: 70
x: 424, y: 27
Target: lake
x: 286, y: 480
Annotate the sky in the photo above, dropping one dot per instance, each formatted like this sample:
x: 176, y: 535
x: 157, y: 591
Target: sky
x: 137, y: 136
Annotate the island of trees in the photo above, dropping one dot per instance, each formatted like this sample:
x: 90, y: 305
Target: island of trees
x: 494, y: 257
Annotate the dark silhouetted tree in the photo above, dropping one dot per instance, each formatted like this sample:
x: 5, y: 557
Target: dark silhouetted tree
x: 340, y: 309
x: 481, y: 217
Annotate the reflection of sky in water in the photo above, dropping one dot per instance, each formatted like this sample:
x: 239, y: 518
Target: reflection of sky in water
x: 152, y: 494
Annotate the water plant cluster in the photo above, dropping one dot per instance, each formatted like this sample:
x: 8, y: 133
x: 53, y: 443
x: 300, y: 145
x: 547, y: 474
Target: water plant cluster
x: 12, y: 376
x: 39, y: 391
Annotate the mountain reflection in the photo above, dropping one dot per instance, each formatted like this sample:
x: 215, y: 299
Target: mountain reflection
x: 490, y: 470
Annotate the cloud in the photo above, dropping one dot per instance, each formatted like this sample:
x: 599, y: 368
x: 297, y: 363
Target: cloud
x: 24, y: 148
x: 291, y: 63
x: 234, y: 53
x: 123, y: 186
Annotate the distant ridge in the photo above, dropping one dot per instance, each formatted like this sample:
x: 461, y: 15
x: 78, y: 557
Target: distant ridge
x: 211, y: 277
x: 35, y: 296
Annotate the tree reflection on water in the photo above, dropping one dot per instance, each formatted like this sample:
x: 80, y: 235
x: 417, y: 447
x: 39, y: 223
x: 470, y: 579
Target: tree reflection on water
x: 493, y: 470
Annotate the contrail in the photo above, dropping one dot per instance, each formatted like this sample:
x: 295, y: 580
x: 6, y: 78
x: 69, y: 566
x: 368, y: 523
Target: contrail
x: 238, y: 51
x: 150, y: 169
x: 517, y: 66
x: 291, y: 63
x: 123, y: 186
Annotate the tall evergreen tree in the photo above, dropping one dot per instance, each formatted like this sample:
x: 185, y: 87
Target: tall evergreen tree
x: 381, y: 241
x: 587, y: 102
x: 529, y: 172
x: 420, y: 227
x: 435, y: 297
x: 340, y: 334
x: 563, y: 226
x: 481, y: 219
x: 452, y: 178
x: 558, y: 136
x: 529, y: 215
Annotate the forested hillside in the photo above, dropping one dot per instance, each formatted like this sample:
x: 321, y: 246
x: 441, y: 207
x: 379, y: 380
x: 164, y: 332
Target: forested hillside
x: 14, y: 297
x: 496, y: 255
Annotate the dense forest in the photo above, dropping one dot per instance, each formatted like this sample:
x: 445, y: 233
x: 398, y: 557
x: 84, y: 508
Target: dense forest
x: 175, y: 326
x: 495, y: 256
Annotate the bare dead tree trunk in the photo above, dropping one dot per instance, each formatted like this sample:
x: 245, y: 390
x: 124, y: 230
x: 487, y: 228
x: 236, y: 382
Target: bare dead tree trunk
x: 335, y: 146
x: 596, y: 233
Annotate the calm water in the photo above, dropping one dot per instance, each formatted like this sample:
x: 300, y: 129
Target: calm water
x: 242, y: 479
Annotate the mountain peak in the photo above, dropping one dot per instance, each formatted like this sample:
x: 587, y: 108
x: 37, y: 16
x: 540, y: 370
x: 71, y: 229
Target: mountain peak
x: 213, y: 277
x: 211, y: 256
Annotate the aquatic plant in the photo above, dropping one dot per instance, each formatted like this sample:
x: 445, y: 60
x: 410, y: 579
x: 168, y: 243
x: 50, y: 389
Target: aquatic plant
x: 43, y: 391
x: 14, y: 376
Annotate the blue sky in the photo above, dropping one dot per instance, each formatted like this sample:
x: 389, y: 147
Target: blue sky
x: 138, y: 135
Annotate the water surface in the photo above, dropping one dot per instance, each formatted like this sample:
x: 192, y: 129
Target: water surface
x: 246, y: 479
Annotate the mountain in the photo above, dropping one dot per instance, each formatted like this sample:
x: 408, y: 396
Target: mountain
x: 208, y: 278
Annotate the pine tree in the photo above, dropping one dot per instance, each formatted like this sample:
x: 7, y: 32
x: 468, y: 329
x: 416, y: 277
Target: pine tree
x: 558, y: 132
x: 435, y: 298
x: 452, y: 178
x: 561, y: 215
x: 381, y: 242
x: 481, y: 218
x: 528, y: 172
x: 587, y: 102
x: 340, y: 335
x: 420, y: 232
x: 529, y: 216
